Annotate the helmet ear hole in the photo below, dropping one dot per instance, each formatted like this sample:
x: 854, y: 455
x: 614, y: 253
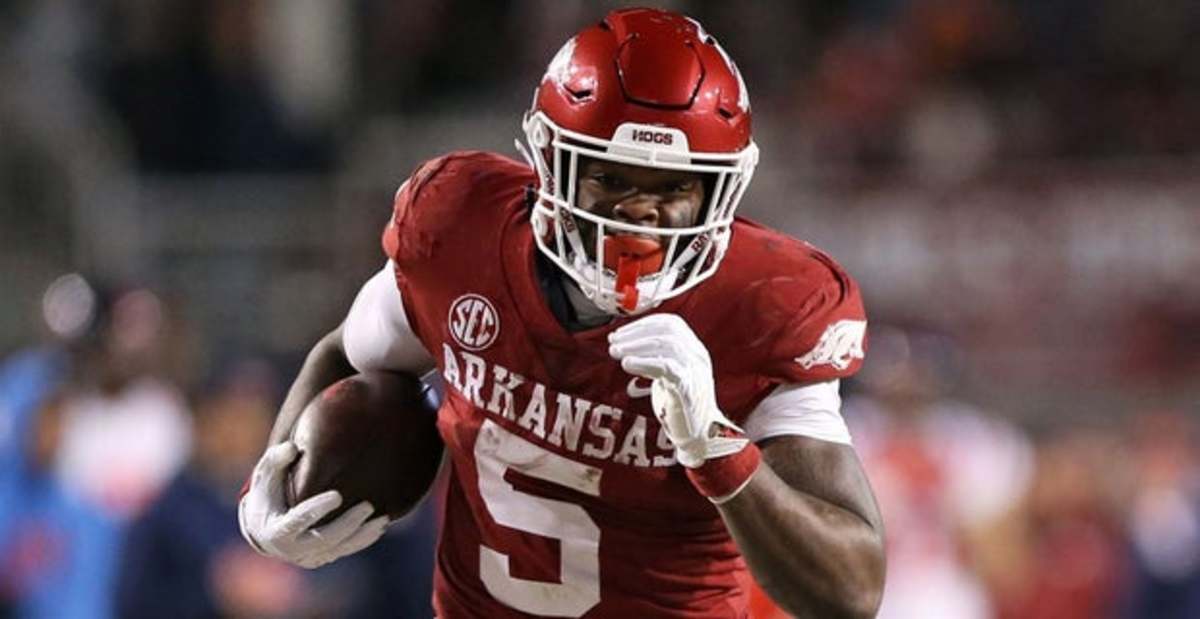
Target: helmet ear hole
x: 580, y: 95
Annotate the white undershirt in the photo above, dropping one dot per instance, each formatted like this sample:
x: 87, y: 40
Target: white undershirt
x: 376, y: 336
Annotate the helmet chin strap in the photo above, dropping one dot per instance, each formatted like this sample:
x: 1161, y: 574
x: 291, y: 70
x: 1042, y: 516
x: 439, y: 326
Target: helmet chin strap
x: 630, y: 257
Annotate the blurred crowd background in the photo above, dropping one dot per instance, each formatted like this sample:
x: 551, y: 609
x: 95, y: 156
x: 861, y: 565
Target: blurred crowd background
x: 191, y: 191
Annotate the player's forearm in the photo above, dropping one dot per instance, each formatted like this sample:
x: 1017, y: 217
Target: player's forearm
x: 812, y: 557
x: 326, y: 364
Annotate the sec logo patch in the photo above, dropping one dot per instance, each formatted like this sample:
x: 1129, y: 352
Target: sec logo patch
x: 473, y: 321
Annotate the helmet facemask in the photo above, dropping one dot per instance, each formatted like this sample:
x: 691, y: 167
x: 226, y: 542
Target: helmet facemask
x: 638, y: 277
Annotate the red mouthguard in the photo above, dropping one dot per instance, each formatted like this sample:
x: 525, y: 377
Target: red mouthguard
x: 631, y: 256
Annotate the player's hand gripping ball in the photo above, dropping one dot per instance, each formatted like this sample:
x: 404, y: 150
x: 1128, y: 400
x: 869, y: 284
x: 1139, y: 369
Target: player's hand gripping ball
x: 363, y: 453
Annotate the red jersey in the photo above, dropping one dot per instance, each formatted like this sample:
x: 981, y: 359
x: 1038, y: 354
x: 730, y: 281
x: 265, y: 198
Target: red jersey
x: 565, y: 498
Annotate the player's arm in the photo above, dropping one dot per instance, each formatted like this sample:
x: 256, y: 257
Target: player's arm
x: 325, y: 364
x: 374, y: 336
x: 799, y: 507
x: 810, y: 530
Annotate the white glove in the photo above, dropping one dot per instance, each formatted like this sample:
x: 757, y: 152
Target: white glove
x: 662, y: 347
x: 276, y: 531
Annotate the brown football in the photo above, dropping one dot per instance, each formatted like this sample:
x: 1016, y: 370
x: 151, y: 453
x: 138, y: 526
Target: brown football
x: 372, y: 437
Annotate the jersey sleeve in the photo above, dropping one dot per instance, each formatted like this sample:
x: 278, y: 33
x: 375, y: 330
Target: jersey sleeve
x: 439, y: 213
x: 411, y: 232
x: 409, y: 239
x: 825, y: 336
x: 445, y: 228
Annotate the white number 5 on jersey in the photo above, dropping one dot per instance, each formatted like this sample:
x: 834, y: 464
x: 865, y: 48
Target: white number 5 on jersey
x: 497, y: 450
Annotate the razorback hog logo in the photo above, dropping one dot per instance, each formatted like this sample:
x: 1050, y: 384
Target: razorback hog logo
x: 473, y: 321
x: 839, y: 346
x: 653, y: 137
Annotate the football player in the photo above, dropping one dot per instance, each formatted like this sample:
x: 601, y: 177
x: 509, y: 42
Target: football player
x: 642, y: 402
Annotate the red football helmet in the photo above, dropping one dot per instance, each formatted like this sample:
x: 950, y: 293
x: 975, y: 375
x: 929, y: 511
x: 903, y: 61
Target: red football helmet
x: 651, y: 88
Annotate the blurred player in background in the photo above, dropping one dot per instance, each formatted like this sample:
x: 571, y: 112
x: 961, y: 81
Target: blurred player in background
x: 126, y: 427
x: 948, y: 477
x: 642, y: 407
x: 204, y: 573
x: 72, y: 467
